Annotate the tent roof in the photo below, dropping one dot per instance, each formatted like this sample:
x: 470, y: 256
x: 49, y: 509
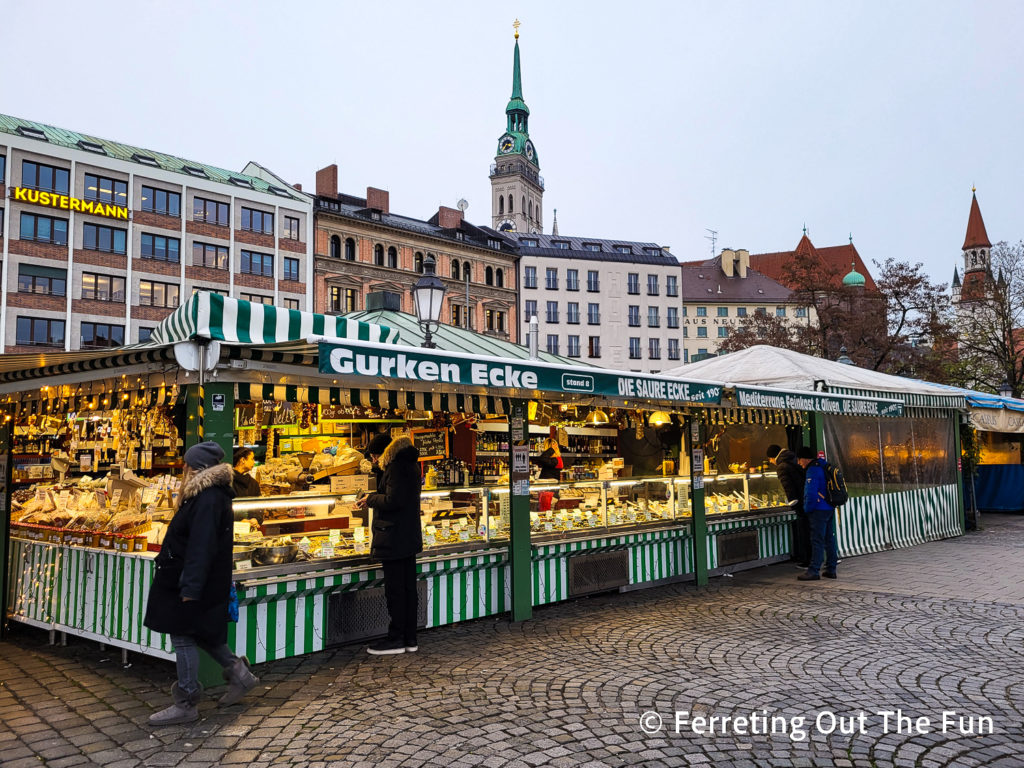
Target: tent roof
x: 785, y: 369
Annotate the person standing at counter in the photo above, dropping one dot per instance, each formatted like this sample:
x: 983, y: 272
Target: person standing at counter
x: 824, y: 545
x: 550, y: 460
x: 791, y: 476
x: 397, y: 538
x: 192, y: 583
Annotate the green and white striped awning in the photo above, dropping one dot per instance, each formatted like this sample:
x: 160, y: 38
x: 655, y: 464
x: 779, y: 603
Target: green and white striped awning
x: 375, y: 398
x: 212, y: 316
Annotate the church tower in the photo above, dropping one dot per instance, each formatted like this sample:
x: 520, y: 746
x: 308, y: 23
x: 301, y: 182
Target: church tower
x: 517, y: 188
x: 977, y: 279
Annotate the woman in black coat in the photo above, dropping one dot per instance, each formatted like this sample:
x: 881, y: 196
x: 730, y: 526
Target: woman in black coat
x: 397, y: 539
x: 192, y: 584
x: 550, y: 461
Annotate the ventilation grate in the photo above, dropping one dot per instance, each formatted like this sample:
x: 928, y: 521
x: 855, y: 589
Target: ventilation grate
x: 598, y: 572
x: 740, y: 547
x: 363, y: 614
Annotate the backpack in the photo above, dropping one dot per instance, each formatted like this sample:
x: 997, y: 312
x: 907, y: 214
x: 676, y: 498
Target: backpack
x: 835, y: 486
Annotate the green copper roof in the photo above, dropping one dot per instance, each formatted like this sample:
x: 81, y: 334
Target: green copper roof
x: 516, y: 102
x: 854, y: 278
x: 145, y: 157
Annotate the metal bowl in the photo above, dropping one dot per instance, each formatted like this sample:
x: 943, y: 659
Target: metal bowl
x: 242, y: 553
x: 274, y: 555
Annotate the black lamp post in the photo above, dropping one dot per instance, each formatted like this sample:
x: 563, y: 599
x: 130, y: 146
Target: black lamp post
x: 428, y: 296
x: 1005, y: 389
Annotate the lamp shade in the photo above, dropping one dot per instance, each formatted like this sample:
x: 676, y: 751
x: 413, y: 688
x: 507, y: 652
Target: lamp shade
x: 428, y: 295
x: 597, y: 416
x: 1005, y: 389
x: 659, y: 418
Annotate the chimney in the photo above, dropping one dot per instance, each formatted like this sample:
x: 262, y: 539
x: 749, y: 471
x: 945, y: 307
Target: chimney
x: 298, y: 187
x: 377, y: 199
x: 449, y: 218
x: 728, y: 262
x: 327, y: 181
x: 742, y: 262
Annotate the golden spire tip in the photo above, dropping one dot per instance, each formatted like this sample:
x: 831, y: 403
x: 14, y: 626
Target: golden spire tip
x: 516, y: 25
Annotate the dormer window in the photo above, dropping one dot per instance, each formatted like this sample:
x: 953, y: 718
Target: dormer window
x: 562, y: 244
x: 31, y: 133
x: 375, y: 215
x: 623, y: 249
x: 495, y: 244
x: 192, y: 170
x: 460, y: 235
x: 92, y: 146
x: 240, y: 182
x: 592, y: 246
x: 529, y: 243
x: 146, y: 160
x: 278, y: 191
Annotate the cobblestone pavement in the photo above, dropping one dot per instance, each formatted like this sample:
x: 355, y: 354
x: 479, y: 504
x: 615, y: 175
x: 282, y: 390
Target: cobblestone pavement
x: 933, y: 628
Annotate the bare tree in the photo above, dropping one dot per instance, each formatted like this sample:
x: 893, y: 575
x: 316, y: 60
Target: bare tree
x: 761, y: 328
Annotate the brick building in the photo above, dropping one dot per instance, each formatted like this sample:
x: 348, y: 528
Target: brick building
x: 362, y: 247
x: 102, y: 240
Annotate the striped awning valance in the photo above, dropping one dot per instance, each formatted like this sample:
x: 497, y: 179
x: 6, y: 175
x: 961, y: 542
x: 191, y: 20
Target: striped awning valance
x: 49, y: 368
x: 375, y: 398
x: 212, y: 316
x: 916, y: 399
x: 751, y: 416
x: 57, y: 402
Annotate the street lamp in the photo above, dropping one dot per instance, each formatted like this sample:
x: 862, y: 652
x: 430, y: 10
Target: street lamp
x: 1005, y: 389
x: 428, y: 294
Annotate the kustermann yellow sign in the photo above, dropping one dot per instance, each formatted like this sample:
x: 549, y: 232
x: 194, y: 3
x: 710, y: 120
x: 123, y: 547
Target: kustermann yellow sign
x: 54, y: 200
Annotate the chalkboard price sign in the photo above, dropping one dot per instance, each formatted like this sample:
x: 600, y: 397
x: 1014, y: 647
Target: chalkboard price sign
x: 432, y: 443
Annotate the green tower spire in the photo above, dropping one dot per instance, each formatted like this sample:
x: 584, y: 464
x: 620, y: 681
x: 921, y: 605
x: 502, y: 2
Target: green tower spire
x: 516, y: 139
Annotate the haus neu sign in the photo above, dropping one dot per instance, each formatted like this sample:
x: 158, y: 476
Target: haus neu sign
x: 458, y: 370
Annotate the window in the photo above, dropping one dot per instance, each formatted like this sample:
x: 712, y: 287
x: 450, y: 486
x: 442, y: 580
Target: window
x: 723, y: 332
x: 552, y: 343
x: 291, y: 304
x: 455, y: 269
x: 572, y: 314
x: 702, y: 311
x: 572, y: 279
x: 574, y: 346
x: 686, y: 332
x: 254, y: 263
x: 593, y: 314
x: 591, y: 246
x: 207, y: 255
x: 634, y: 347
x: 593, y: 282
x: 653, y: 321
x: 594, y: 347
x: 800, y: 311
x: 191, y: 170
x: 44, y: 280
x: 672, y: 317
x: 146, y: 160
x: 495, y: 320
x: 144, y: 334
x: 702, y: 350
x: 741, y: 311
x: 495, y: 244
x: 335, y: 247
x: 393, y: 257
x: 106, y: 191
x: 499, y: 277
x: 44, y: 229
x: 531, y: 309
x: 633, y: 283
x: 3, y: 167
x: 378, y: 255
x: 101, y: 335
x: 652, y: 285
x: 686, y: 355
x: 552, y: 315
x: 528, y: 243
x: 529, y: 277
x: 560, y: 244
x: 40, y: 332
x: 154, y: 294
x: 673, y: 349
x: 723, y: 311
x: 291, y: 268
x: 46, y: 178
x: 634, y: 316
x: 258, y: 221
x: 684, y: 311
x: 467, y: 273
x: 671, y: 286
x: 780, y: 311
x: 160, y: 248
x: 654, y: 349
x: 291, y: 228
x: 761, y: 311
x: 96, y: 237
x: 102, y: 287
x: 256, y: 298
x: 702, y: 333
x: 458, y: 315
x: 623, y: 249
x: 343, y: 300
x: 350, y: 249
x: 551, y: 279
x: 210, y: 211
x: 160, y: 201
x: 489, y: 275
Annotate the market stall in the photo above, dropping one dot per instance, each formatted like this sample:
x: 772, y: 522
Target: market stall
x: 900, y: 455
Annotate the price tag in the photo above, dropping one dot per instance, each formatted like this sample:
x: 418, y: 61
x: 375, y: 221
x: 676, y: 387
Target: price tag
x: 464, y: 535
x: 41, y: 494
x: 431, y: 530
x: 334, y: 536
x: 327, y: 550
x: 359, y: 534
x: 63, y: 499
x: 613, y: 519
x: 591, y: 521
x: 243, y: 565
x: 429, y: 540
x: 548, y: 526
x: 115, y: 498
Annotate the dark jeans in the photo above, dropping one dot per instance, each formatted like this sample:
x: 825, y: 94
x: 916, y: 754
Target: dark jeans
x: 802, y: 538
x: 824, y: 544
x: 186, y: 654
x: 400, y: 593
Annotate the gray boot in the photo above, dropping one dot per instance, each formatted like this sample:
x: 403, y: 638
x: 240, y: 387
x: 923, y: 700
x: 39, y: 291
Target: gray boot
x: 184, y: 709
x: 240, y: 681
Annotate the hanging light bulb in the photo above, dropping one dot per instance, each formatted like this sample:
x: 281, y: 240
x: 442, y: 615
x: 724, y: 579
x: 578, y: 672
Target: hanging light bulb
x: 659, y: 419
x: 597, y: 416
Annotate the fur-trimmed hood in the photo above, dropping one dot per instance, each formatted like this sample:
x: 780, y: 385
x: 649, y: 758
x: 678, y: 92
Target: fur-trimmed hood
x: 396, y: 446
x: 218, y: 474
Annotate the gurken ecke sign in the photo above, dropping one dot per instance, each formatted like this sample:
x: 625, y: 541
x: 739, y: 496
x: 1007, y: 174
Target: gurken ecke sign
x: 817, y: 402
x: 441, y: 368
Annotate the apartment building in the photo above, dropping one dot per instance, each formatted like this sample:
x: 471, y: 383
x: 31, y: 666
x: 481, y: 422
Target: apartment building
x: 102, y: 240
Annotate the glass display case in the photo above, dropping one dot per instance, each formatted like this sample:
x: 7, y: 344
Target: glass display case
x: 732, y: 494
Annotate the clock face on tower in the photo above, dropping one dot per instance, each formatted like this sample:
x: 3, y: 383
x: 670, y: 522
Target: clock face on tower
x: 507, y: 225
x: 506, y: 144
x: 529, y: 150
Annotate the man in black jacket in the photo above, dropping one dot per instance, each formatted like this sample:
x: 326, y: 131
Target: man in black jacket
x: 397, y: 539
x: 791, y: 475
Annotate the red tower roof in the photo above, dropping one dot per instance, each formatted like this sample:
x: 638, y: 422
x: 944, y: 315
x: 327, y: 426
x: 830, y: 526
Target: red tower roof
x: 977, y: 237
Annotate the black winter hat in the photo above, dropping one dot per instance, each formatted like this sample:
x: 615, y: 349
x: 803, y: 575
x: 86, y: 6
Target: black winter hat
x: 806, y: 452
x: 773, y: 451
x: 378, y: 443
x: 204, y: 455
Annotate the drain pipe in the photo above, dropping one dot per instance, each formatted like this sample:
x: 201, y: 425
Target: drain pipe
x: 534, y: 333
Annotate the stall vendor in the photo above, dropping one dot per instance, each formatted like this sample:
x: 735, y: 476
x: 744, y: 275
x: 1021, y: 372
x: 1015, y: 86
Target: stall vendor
x: 245, y: 485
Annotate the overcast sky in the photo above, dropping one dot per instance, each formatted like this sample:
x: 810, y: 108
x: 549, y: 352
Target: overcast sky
x: 652, y: 121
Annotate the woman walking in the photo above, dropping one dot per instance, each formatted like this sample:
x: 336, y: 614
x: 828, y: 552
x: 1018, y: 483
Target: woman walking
x: 192, y: 583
